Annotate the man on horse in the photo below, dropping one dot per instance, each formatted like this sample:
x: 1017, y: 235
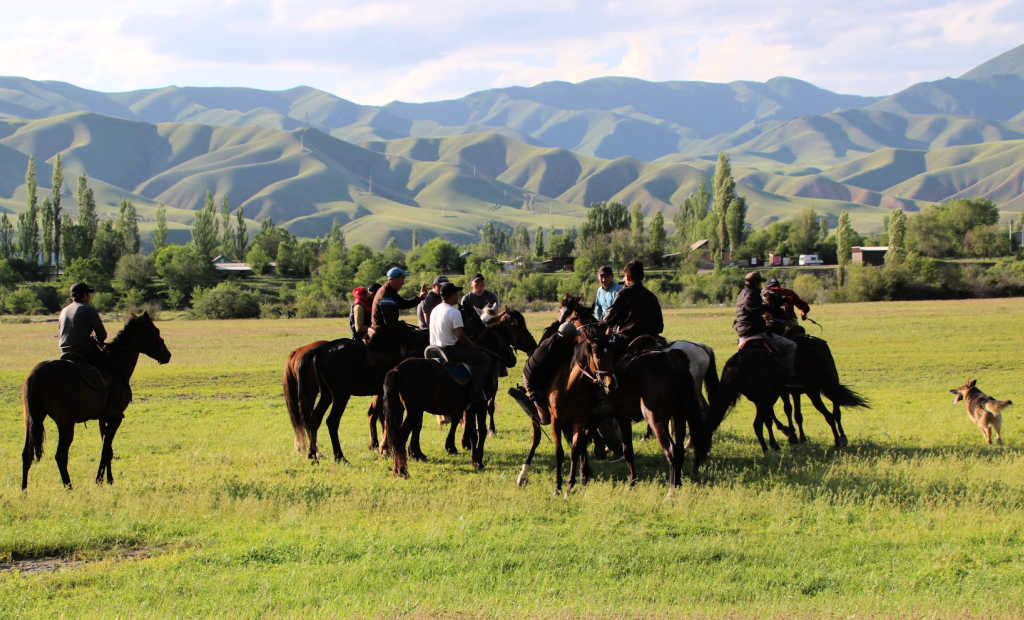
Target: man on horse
x: 479, y: 297
x: 446, y: 331
x: 750, y: 323
x: 635, y: 312
x: 81, y: 334
x: 359, y: 313
x: 606, y: 293
x: 429, y: 302
x: 542, y: 365
x: 781, y: 304
x: 387, y: 332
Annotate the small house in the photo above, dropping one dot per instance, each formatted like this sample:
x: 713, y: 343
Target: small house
x: 869, y: 255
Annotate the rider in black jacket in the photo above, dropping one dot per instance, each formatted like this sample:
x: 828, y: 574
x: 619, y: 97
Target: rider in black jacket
x: 635, y: 312
x: 750, y: 323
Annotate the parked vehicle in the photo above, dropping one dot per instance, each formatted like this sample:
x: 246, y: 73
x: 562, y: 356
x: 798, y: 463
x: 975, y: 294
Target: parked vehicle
x: 810, y: 259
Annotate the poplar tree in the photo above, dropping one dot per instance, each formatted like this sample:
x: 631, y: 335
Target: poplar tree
x: 735, y: 220
x: 46, y: 239
x: 227, y: 236
x: 636, y: 225
x: 897, y: 237
x: 844, y: 239
x: 160, y: 230
x: 657, y: 237
x: 538, y: 242
x: 87, y: 217
x: 128, y: 227
x: 724, y: 192
x: 242, y: 235
x: 57, y: 183
x: 6, y: 237
x: 204, y: 228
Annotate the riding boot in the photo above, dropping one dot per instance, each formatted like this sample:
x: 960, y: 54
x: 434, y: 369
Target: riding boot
x: 543, y: 415
x: 608, y: 430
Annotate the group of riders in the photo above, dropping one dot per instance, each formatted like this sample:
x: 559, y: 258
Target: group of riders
x: 624, y: 311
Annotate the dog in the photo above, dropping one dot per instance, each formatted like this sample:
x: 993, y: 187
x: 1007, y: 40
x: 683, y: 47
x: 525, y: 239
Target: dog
x: 985, y: 411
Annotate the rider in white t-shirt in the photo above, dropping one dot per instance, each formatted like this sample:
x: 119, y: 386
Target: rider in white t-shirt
x: 446, y: 331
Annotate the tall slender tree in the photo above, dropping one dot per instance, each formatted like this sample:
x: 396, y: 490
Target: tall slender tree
x: 204, y: 227
x: 46, y: 237
x: 242, y: 235
x: 657, y: 238
x: 227, y: 236
x: 7, y: 237
x: 160, y: 230
x: 844, y: 239
x: 636, y: 225
x: 538, y: 242
x: 87, y: 217
x: 724, y: 192
x: 735, y: 222
x: 128, y: 227
x: 57, y: 183
x: 897, y: 237
x: 28, y: 222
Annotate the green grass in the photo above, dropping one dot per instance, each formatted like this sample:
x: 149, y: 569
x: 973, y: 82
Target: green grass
x: 917, y: 517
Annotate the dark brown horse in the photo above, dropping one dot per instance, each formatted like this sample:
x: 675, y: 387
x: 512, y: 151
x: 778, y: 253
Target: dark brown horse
x: 657, y: 384
x: 571, y: 401
x: 71, y: 393
x: 419, y: 385
x: 754, y: 372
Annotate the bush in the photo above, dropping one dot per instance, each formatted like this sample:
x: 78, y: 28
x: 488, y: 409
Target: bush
x: 810, y: 288
x: 88, y: 270
x: 312, y: 301
x: 135, y: 271
x: 225, y: 301
x: 23, y: 300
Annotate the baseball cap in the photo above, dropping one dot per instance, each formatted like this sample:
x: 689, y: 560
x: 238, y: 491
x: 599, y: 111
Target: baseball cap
x: 476, y: 277
x: 396, y: 272
x: 440, y: 279
x: 81, y: 288
x: 448, y: 288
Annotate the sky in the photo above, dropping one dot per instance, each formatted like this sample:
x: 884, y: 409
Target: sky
x: 376, y: 52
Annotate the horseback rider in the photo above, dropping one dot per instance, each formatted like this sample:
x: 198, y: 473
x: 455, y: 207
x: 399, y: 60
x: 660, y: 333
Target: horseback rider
x: 606, y: 293
x: 750, y: 323
x: 635, y: 312
x: 781, y: 303
x: 387, y: 332
x: 540, y: 368
x: 446, y: 331
x: 429, y: 302
x: 81, y: 334
x: 478, y: 296
x: 359, y: 313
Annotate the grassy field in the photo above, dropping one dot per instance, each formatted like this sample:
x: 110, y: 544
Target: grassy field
x: 213, y: 513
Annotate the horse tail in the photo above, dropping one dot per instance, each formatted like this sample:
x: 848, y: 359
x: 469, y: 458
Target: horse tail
x: 711, y: 376
x: 689, y: 405
x: 844, y: 396
x: 307, y: 377
x: 725, y: 397
x: 33, y: 415
x: 291, y: 399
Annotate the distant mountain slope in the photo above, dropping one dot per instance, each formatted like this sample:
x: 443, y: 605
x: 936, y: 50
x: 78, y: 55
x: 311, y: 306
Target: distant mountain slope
x: 1007, y: 63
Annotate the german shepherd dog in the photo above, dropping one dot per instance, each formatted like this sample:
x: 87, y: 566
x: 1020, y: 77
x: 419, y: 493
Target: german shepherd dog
x: 985, y: 411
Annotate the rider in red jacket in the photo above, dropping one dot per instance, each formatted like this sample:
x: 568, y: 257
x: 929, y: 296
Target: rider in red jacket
x: 783, y: 303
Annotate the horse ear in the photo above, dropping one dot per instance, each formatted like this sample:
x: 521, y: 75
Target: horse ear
x: 972, y: 382
x: 132, y: 315
x: 145, y: 314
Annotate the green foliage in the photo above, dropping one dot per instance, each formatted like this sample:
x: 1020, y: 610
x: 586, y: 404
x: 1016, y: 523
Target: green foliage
x: 9, y: 276
x: 57, y: 183
x: 46, y: 234
x: 227, y: 232
x: 657, y: 237
x: 225, y: 301
x: 258, y: 259
x: 844, y: 241
x: 128, y: 228
x: 897, y: 237
x: 811, y: 288
x: 241, y: 239
x: 23, y: 300
x: 183, y: 269
x: 941, y: 230
x: 76, y: 240
x: 435, y: 256
x: 312, y: 300
x: 7, y: 237
x: 107, y: 247
x: 604, y: 218
x: 538, y: 242
x: 87, y: 216
x: 719, y: 287
x: 204, y: 228
x: 371, y: 270
x: 270, y: 237
x: 135, y: 271
x: 724, y: 188
x: 562, y: 244
x: 160, y: 230
x: 690, y: 215
x: 805, y: 232
x: 636, y: 225
x: 89, y: 270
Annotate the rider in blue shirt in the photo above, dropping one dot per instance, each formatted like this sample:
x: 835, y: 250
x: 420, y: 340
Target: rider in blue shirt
x: 606, y: 293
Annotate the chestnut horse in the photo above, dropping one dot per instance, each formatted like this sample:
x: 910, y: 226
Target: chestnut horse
x: 71, y: 393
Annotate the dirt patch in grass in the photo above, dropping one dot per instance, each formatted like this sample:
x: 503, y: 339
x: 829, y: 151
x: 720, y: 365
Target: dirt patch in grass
x: 55, y: 563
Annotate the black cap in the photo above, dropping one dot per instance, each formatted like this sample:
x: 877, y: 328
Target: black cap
x: 448, y: 288
x: 476, y: 277
x: 80, y: 288
x: 605, y: 270
x: 373, y: 288
x: 440, y: 279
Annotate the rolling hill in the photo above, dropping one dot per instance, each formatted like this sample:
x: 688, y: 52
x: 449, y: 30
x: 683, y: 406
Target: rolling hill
x: 535, y: 155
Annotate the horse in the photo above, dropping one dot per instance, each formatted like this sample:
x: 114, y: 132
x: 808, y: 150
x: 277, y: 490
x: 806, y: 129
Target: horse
x: 571, y: 401
x: 71, y: 393
x: 654, y: 382
x: 754, y: 372
x: 819, y: 376
x: 417, y: 385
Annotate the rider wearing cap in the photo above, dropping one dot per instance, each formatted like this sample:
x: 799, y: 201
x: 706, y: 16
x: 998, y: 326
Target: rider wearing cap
x: 446, y: 331
x: 81, y: 335
x: 387, y: 332
x: 781, y: 303
x: 479, y: 297
x: 749, y: 322
x: 606, y: 293
x: 429, y: 302
x: 635, y: 312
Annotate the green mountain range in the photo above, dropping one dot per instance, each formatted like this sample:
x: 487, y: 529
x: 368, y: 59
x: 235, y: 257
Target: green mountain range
x: 535, y: 156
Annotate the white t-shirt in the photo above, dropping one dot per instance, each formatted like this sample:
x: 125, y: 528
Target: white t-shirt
x: 444, y: 319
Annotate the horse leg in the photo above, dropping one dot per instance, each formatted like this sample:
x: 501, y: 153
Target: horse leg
x: 661, y: 433
x: 559, y: 456
x: 107, y: 453
x: 468, y: 430
x: 414, y: 420
x: 575, y: 460
x: 373, y: 415
x: 65, y: 435
x: 481, y: 437
x: 333, y: 420
x: 626, y: 430
x: 759, y: 420
x: 524, y: 472
x: 586, y: 473
x: 449, y: 442
x: 788, y: 407
x: 648, y: 433
x: 799, y: 416
x: 316, y: 416
x: 830, y: 419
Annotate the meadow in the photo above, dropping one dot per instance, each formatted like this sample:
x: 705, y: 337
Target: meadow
x: 213, y: 512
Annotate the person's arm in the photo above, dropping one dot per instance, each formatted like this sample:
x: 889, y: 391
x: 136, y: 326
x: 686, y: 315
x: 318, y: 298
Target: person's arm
x: 460, y: 334
x: 800, y: 304
x: 97, y: 326
x: 613, y: 316
x: 405, y: 304
x: 360, y: 319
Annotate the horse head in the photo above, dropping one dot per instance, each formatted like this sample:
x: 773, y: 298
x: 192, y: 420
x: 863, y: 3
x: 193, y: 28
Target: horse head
x: 145, y: 337
x: 595, y: 358
x: 515, y: 328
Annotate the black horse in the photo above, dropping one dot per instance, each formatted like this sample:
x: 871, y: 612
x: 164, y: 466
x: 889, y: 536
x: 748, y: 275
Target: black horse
x: 754, y: 372
x: 419, y: 385
x: 72, y: 393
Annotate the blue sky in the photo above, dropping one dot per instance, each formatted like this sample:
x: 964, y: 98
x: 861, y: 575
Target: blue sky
x: 375, y: 52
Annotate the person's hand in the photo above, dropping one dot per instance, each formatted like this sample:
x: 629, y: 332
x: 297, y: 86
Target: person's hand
x: 803, y: 316
x: 423, y: 289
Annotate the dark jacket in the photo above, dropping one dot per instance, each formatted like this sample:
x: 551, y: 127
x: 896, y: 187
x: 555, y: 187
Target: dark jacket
x: 635, y: 312
x: 78, y: 322
x: 750, y: 309
x: 479, y: 301
x: 386, y: 305
x: 542, y: 365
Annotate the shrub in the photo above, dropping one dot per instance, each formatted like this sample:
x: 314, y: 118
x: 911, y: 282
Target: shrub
x: 23, y: 300
x: 135, y: 271
x: 225, y: 301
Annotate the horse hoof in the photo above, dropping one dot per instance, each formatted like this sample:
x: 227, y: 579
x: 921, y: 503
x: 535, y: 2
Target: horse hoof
x: 478, y: 466
x: 340, y: 460
x: 843, y: 442
x: 419, y: 457
x: 793, y: 440
x: 452, y: 450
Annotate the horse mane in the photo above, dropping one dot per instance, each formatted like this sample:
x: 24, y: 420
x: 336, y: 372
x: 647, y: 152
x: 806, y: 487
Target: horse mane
x: 119, y: 341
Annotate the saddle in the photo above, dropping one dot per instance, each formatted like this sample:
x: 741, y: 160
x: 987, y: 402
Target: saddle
x: 755, y: 341
x: 458, y: 372
x: 90, y: 374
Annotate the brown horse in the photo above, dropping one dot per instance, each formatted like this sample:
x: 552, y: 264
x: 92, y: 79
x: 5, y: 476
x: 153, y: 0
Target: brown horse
x: 72, y: 393
x: 571, y: 402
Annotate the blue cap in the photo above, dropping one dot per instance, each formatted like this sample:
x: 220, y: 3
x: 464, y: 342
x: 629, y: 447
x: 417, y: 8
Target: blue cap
x: 396, y: 272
